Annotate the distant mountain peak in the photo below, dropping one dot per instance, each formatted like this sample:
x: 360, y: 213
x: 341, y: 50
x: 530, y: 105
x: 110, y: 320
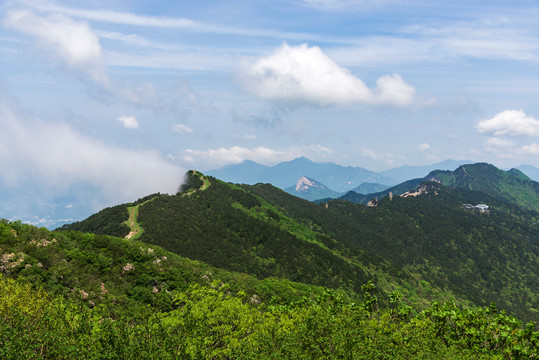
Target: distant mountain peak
x: 310, y: 189
x: 304, y: 184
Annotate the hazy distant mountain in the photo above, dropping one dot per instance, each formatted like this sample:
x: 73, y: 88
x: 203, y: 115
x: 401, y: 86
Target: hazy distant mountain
x: 310, y: 189
x: 247, y: 172
x: 530, y: 170
x: 369, y: 188
x: 285, y: 174
x: 406, y: 172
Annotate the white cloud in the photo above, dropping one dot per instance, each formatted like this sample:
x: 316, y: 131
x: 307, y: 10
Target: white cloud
x: 73, y: 43
x: 423, y: 147
x: 57, y: 157
x: 181, y: 128
x: 386, y: 157
x: 532, y: 149
x: 510, y: 122
x: 499, y: 143
x: 306, y: 74
x: 250, y: 136
x: 237, y: 154
x: 129, y: 122
x: 76, y: 46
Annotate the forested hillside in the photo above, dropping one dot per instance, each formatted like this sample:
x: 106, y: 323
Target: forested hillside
x: 66, y: 295
x: 427, y: 246
x: 512, y: 185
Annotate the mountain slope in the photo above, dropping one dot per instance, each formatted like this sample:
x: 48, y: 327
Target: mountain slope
x: 369, y: 188
x: 408, y: 244
x: 473, y: 255
x: 228, y: 227
x: 399, y: 189
x: 511, y: 185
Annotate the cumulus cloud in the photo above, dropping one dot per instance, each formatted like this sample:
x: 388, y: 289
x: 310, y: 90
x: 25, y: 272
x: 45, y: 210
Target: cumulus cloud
x: 57, y: 157
x: 181, y: 128
x: 72, y: 43
x: 423, y: 147
x: 510, y: 122
x: 306, y: 75
x: 129, y: 122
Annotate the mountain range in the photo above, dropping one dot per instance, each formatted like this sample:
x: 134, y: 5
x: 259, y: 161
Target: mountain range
x: 512, y: 185
x: 285, y: 174
x: 335, y: 179
x: 222, y: 270
x: 47, y: 207
x: 424, y: 243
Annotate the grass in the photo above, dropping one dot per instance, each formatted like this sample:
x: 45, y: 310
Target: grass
x: 136, y: 229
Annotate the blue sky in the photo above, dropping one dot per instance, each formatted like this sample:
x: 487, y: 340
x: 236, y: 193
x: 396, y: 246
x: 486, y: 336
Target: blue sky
x: 125, y: 96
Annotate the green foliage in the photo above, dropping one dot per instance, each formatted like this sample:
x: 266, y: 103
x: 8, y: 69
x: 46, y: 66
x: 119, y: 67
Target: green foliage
x: 427, y: 247
x: 85, y: 302
x: 431, y: 247
x: 109, y: 221
x: 510, y: 185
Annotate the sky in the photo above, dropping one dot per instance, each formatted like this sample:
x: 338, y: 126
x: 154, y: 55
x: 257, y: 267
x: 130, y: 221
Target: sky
x: 112, y: 100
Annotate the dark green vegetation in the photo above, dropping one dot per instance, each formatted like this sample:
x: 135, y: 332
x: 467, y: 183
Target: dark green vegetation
x: 399, y: 189
x: 428, y: 247
x: 66, y: 295
x: 369, y: 188
x: 254, y: 272
x: 512, y: 185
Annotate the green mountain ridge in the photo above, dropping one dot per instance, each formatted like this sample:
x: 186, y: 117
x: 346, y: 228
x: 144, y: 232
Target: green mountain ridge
x: 512, y: 185
x: 408, y: 244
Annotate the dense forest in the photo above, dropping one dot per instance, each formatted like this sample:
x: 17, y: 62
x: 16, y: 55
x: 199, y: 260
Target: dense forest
x: 428, y: 247
x: 67, y: 295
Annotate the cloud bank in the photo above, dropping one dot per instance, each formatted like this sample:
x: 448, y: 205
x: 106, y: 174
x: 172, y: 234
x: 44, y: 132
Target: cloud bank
x: 302, y: 74
x: 260, y: 154
x: 56, y: 157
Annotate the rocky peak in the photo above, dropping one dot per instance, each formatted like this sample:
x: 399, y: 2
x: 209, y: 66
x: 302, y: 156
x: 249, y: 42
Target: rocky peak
x: 304, y: 183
